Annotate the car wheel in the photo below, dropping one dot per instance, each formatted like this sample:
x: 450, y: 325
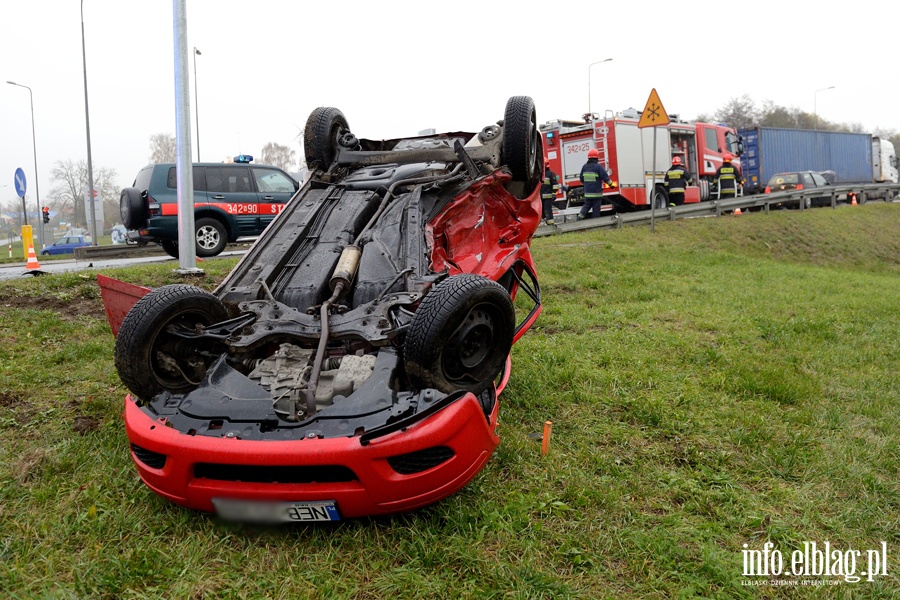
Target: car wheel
x: 170, y: 247
x: 522, y: 151
x: 149, y: 356
x: 132, y: 208
x: 460, y: 335
x: 211, y: 237
x: 324, y: 129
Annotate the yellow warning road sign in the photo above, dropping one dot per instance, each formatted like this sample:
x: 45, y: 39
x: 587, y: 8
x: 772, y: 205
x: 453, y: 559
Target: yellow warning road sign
x: 654, y: 114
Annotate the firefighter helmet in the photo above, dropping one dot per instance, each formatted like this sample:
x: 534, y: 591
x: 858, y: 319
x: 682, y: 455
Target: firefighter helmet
x: 728, y: 157
x: 546, y: 162
x: 593, y: 153
x: 676, y: 160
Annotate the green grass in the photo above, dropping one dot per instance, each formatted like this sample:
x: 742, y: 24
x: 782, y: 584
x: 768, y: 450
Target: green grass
x: 716, y: 383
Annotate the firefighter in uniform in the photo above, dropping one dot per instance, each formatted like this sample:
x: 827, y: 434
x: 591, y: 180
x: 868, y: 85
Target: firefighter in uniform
x: 677, y: 178
x: 592, y: 177
x: 728, y: 177
x: 549, y: 189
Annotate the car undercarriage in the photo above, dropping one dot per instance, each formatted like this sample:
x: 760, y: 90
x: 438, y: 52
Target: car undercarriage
x: 377, y: 304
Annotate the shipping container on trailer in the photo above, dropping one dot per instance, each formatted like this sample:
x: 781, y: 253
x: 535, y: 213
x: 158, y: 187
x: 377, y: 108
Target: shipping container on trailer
x: 771, y: 150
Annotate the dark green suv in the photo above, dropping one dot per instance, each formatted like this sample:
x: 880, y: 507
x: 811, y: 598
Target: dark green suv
x: 231, y: 201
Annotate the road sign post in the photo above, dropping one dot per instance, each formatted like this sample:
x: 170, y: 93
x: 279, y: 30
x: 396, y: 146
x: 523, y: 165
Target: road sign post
x: 653, y: 115
x: 20, y: 191
x: 26, y: 228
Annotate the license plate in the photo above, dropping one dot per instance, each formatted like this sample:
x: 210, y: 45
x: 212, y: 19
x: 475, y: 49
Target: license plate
x: 252, y: 511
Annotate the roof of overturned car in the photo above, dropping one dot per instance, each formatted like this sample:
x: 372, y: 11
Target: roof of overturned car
x: 355, y: 353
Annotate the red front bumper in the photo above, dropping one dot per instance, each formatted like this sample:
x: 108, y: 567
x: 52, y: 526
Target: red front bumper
x: 362, y: 482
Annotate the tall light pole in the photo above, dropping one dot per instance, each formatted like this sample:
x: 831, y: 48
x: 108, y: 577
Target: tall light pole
x: 37, y: 189
x: 184, y: 174
x: 90, y: 200
x: 815, y: 108
x: 197, y: 101
x: 589, y: 81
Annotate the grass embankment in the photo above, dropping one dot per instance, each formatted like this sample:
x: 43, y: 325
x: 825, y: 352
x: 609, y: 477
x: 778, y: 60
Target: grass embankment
x: 720, y: 382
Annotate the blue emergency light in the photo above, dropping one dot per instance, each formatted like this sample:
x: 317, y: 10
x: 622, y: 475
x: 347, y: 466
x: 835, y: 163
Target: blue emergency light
x: 243, y: 158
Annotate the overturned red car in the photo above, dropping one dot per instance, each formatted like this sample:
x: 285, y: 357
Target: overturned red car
x: 351, y: 362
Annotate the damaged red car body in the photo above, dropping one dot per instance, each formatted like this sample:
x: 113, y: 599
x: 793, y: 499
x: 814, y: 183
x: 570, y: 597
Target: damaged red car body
x: 351, y: 362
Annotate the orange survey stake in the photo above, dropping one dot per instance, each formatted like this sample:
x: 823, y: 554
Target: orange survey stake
x: 545, y: 444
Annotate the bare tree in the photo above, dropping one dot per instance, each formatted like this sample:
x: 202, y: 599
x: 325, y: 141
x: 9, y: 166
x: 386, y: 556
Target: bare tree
x: 741, y: 113
x: 738, y: 113
x: 11, y: 215
x: 895, y: 140
x: 162, y: 148
x: 278, y: 155
x: 778, y: 116
x: 70, y: 184
x: 890, y: 135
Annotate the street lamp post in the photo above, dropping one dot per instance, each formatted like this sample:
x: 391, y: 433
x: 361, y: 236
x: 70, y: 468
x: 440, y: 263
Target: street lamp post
x: 589, y: 81
x: 90, y: 200
x: 37, y: 189
x: 197, y: 101
x: 815, y: 108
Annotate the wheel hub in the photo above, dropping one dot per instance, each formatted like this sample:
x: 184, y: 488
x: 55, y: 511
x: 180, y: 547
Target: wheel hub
x: 207, y: 238
x: 470, y: 345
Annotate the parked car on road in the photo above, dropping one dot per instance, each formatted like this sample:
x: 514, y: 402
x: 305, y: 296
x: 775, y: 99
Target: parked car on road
x: 67, y: 245
x: 801, y: 180
x: 231, y: 200
x: 352, y: 361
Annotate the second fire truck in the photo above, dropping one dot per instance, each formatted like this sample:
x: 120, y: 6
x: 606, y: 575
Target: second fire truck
x: 626, y: 151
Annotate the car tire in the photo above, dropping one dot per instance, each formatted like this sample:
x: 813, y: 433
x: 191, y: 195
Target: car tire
x: 522, y: 151
x: 132, y: 208
x: 460, y: 336
x: 324, y: 128
x: 210, y: 236
x: 170, y: 247
x: 150, y: 359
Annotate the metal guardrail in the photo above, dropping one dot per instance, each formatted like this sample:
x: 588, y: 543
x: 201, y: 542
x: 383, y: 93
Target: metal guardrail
x: 886, y: 191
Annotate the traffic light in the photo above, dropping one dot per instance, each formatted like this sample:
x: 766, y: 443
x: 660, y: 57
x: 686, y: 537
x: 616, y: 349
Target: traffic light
x: 46, y: 211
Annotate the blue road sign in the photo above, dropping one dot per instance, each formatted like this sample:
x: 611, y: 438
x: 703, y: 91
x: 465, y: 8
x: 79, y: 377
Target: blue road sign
x: 20, y: 182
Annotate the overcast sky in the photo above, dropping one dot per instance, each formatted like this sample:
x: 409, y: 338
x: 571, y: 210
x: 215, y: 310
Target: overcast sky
x: 395, y: 68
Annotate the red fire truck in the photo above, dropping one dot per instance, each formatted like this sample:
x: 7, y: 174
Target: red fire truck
x: 627, y: 153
